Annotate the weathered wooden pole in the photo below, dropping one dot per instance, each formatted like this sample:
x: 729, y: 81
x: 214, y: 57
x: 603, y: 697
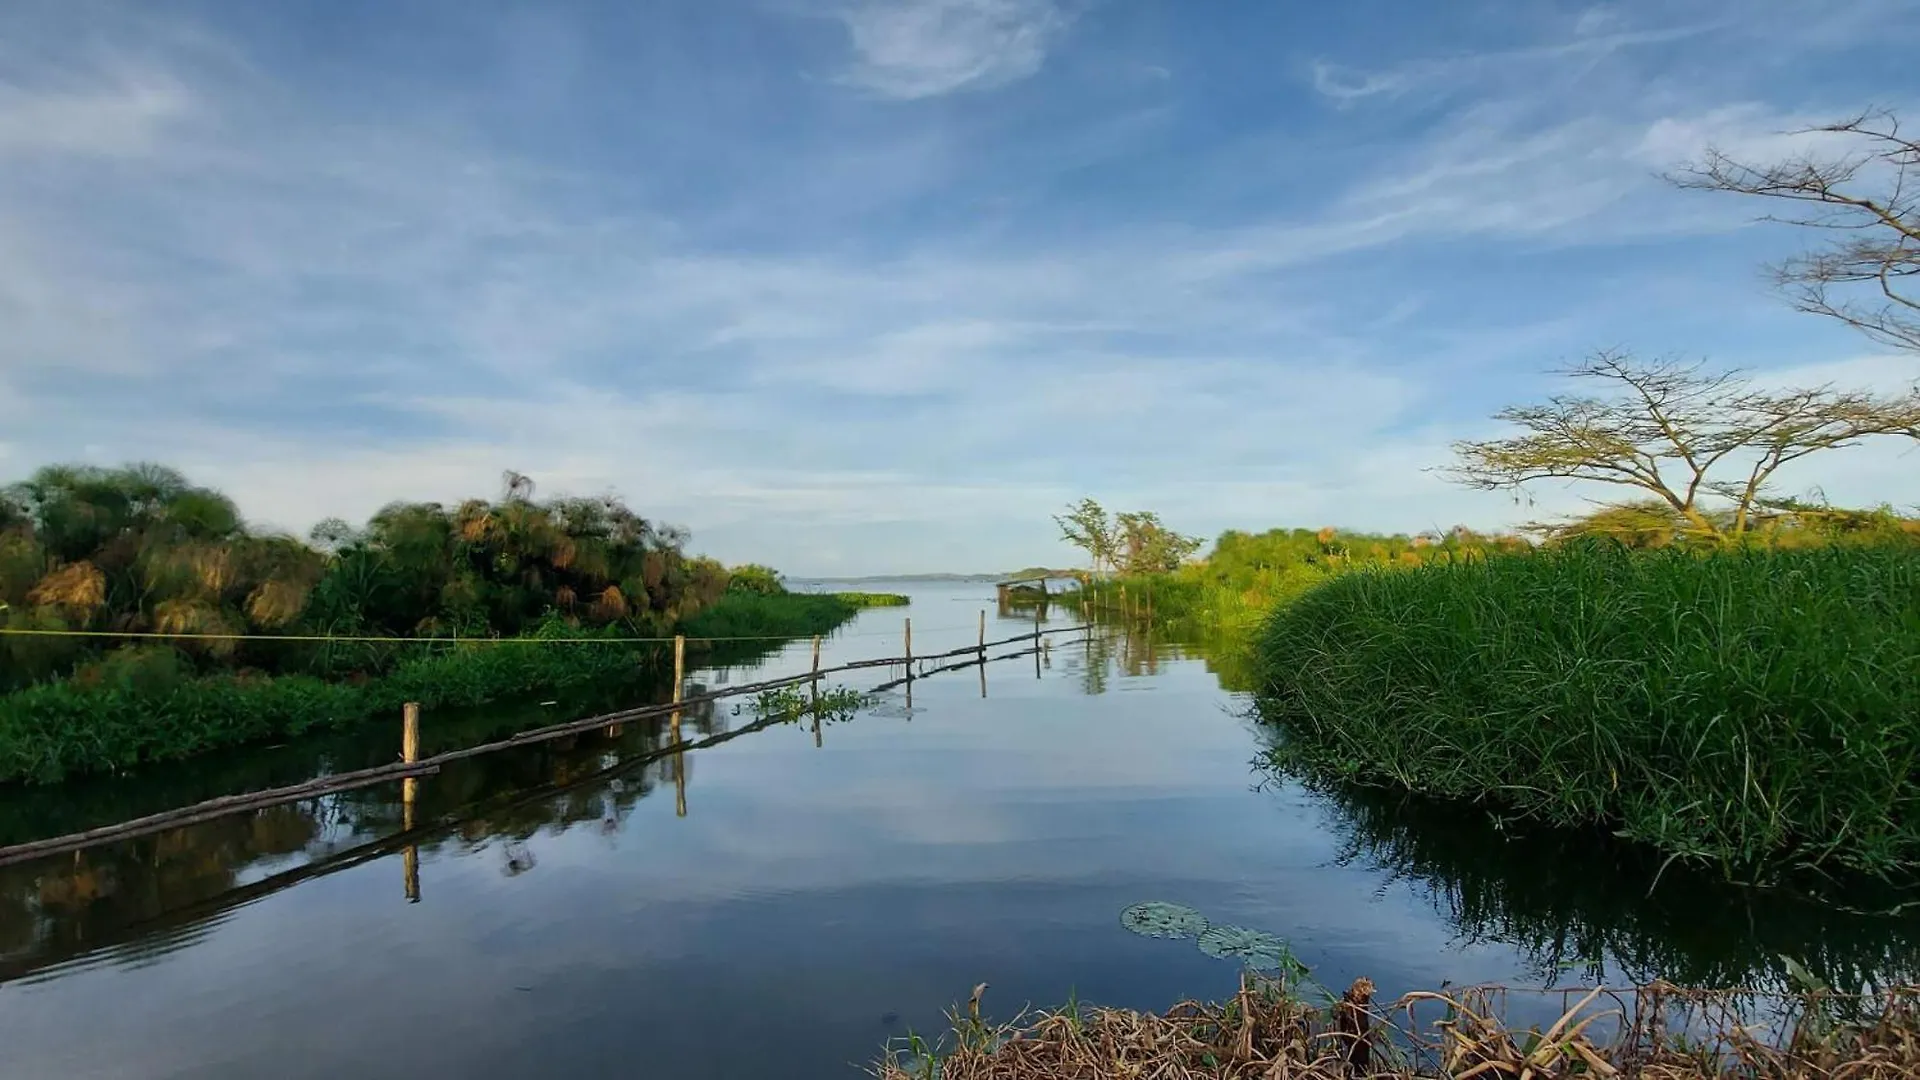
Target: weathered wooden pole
x: 410, y: 872
x: 816, y: 691
x: 409, y: 791
x: 679, y: 783
x: 983, y: 652
x: 409, y: 753
x: 410, y: 732
x: 909, y: 669
x: 679, y: 678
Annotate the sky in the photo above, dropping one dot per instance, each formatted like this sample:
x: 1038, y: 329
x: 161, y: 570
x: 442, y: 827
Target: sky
x: 875, y: 286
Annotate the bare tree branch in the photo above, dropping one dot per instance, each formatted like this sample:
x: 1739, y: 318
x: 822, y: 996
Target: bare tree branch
x: 1874, y: 192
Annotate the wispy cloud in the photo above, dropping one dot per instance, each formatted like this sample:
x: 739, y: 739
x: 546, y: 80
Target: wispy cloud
x: 838, y: 334
x: 924, y: 48
x: 1591, y: 41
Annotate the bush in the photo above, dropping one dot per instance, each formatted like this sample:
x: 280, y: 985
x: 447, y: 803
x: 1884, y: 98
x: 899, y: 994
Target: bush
x: 754, y: 578
x: 1754, y: 710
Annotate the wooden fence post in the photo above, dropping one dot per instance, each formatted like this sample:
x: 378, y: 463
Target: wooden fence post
x: 409, y: 791
x: 816, y: 691
x: 410, y: 732
x: 679, y: 678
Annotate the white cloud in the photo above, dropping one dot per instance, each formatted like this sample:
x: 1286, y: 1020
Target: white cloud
x: 923, y: 48
x: 124, y: 119
x: 322, y: 316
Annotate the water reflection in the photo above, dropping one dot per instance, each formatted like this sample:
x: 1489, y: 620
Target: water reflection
x: 154, y: 894
x: 1073, y: 825
x: 1585, y: 907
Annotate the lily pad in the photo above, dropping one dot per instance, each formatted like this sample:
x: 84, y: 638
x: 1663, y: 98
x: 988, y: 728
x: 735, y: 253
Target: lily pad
x: 1257, y: 949
x: 1156, y: 918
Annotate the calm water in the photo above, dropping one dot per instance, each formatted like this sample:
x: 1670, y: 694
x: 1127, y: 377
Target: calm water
x: 769, y: 906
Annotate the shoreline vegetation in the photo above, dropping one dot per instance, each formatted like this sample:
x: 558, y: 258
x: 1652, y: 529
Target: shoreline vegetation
x: 147, y: 623
x: 1271, y: 1028
x: 1739, y: 703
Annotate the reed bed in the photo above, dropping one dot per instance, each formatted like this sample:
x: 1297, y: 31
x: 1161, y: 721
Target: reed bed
x: 1268, y: 1032
x: 1753, y: 711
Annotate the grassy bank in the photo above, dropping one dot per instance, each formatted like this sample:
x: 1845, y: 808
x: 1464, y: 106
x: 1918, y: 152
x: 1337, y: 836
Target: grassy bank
x: 1751, y: 710
x: 1247, y: 575
x: 147, y: 705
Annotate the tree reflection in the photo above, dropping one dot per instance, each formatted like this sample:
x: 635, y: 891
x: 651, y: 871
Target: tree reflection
x: 154, y: 894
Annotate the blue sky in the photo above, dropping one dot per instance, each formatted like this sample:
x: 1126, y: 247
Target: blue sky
x: 862, y: 286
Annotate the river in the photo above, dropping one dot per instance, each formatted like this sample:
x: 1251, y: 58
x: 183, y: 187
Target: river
x: 781, y: 905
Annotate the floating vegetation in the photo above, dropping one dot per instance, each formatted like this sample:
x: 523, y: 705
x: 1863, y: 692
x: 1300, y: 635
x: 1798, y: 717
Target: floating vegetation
x: 790, y: 703
x: 1159, y: 919
x: 1256, y: 949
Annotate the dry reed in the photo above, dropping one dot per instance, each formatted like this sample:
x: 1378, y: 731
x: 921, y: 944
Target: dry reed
x: 1265, y: 1032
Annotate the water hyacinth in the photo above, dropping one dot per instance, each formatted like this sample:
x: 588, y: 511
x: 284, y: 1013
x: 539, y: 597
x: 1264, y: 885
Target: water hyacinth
x: 1159, y: 919
x: 1256, y: 949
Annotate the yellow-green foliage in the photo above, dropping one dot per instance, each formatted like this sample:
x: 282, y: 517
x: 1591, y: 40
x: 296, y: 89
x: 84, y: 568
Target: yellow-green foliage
x: 1247, y: 574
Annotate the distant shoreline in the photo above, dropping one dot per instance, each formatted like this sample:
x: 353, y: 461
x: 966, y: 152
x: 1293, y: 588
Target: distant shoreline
x: 878, y: 578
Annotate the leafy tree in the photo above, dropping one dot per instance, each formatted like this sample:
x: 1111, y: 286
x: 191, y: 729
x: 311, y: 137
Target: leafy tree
x: 1149, y: 547
x: 1868, y: 198
x: 1086, y: 526
x: 1681, y: 435
x: 141, y: 549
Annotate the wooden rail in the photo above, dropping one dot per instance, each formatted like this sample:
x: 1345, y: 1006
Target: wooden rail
x: 405, y: 769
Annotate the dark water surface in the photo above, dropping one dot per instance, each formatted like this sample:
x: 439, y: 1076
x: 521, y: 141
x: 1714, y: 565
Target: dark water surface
x: 769, y: 907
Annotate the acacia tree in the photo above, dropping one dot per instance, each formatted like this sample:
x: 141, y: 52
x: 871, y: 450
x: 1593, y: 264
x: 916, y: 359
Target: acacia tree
x: 1148, y: 547
x: 1086, y: 526
x: 1868, y: 275
x: 1680, y: 434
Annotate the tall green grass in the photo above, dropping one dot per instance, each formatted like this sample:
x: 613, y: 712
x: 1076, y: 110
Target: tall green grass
x: 146, y: 706
x: 747, y: 614
x: 873, y: 599
x: 1247, y: 575
x: 55, y: 730
x: 1756, y: 711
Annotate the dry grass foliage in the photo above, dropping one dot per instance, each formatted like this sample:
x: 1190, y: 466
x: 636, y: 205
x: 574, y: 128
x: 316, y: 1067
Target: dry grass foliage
x: 1266, y: 1032
x: 79, y: 586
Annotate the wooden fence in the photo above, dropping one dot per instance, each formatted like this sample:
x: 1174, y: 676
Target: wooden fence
x: 411, y: 766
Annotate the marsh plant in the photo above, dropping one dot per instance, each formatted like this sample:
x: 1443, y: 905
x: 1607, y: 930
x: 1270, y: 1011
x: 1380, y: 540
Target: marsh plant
x: 1745, y: 710
x: 790, y: 704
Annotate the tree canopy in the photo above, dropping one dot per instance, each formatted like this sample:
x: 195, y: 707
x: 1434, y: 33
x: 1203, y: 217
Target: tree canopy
x: 1132, y: 542
x: 141, y: 549
x: 1682, y: 434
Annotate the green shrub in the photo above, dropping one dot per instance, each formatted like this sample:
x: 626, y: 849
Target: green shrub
x: 754, y: 578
